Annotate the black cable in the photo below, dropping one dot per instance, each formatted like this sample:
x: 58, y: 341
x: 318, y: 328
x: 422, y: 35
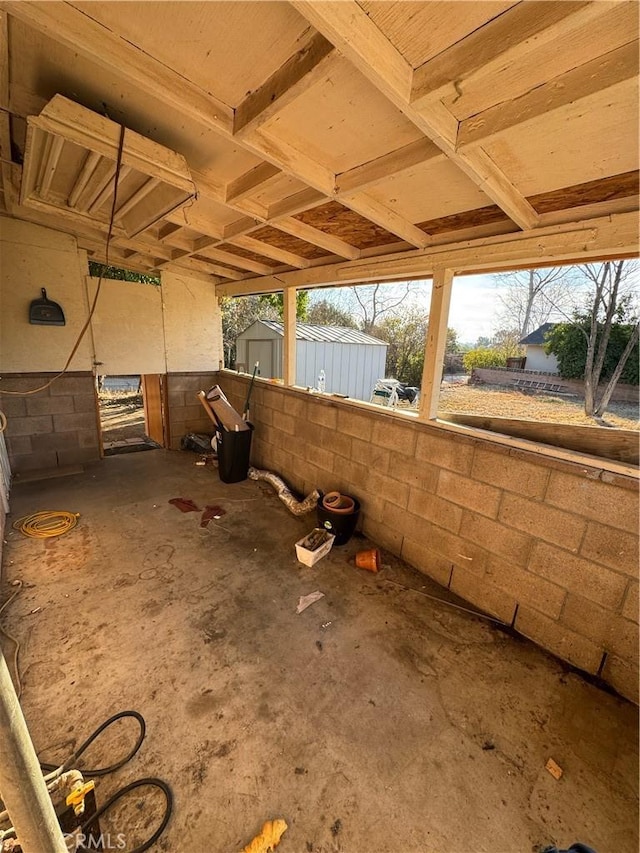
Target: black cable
x: 140, y: 783
x: 102, y: 771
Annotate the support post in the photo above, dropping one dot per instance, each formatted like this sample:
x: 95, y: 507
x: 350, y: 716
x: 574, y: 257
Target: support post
x: 289, y: 349
x: 436, y: 343
x: 22, y: 785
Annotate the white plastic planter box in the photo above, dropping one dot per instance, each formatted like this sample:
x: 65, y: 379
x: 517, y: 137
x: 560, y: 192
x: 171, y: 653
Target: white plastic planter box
x: 308, y: 557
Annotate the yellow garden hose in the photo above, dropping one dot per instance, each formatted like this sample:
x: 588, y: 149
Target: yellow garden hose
x: 48, y: 523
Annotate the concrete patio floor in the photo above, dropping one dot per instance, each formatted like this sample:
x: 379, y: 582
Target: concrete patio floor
x: 376, y: 720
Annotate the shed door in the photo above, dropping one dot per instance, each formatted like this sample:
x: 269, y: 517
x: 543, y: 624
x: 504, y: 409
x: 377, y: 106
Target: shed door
x: 262, y: 351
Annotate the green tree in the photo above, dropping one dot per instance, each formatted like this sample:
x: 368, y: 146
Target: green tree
x: 484, y: 357
x: 406, y: 334
x: 325, y: 313
x: 276, y: 301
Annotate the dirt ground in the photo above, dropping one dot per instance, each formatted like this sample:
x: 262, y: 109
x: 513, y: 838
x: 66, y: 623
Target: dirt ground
x: 507, y: 403
x: 121, y: 416
x: 376, y: 720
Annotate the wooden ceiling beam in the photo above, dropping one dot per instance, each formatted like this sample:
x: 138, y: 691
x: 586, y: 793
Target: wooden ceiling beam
x: 386, y: 218
x: 378, y: 170
x: 250, y: 182
x: 296, y: 203
x: 355, y: 35
x: 588, y: 79
x: 269, y: 251
x: 77, y: 30
x: 317, y: 238
x: 505, y: 39
x: 197, y: 265
x: 308, y: 65
x: 236, y: 260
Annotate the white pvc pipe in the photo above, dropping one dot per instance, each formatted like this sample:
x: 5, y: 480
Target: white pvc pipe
x: 22, y: 786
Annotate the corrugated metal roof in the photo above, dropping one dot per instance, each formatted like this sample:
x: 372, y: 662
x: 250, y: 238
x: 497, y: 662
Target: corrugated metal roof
x: 334, y: 334
x: 539, y: 335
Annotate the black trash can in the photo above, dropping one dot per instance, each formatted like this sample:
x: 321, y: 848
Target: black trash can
x: 342, y: 525
x: 234, y: 449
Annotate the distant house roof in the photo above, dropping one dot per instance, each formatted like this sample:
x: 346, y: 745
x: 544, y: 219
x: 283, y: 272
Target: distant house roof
x: 539, y: 336
x: 334, y: 334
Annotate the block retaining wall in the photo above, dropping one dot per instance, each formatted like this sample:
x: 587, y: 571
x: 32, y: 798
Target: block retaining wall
x: 53, y: 428
x: 186, y: 413
x: 500, y: 526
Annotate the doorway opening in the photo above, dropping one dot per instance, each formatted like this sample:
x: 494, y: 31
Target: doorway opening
x: 131, y: 413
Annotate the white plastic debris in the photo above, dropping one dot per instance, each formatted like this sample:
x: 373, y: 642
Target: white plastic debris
x: 308, y: 600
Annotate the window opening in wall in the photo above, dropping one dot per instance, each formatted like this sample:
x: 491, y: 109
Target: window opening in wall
x: 555, y: 347
x: 123, y: 420
x: 252, y: 331
x: 366, y: 342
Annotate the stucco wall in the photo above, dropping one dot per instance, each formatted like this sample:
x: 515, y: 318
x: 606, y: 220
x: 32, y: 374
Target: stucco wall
x: 32, y: 257
x: 549, y: 544
x: 537, y: 359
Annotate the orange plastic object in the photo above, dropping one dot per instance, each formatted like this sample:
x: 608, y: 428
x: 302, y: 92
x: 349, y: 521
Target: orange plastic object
x: 335, y: 502
x: 369, y: 560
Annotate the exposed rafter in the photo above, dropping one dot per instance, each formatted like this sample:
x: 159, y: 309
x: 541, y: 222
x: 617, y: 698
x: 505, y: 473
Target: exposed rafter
x: 318, y: 238
x: 372, y: 173
x: 268, y: 251
x: 355, y: 35
x: 250, y: 182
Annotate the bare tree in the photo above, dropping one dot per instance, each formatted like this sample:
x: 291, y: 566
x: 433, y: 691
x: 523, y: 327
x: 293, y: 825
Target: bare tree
x: 532, y: 297
x: 373, y: 301
x: 608, y: 303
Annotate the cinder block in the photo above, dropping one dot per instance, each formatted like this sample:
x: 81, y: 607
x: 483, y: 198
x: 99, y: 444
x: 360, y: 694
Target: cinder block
x: 13, y: 407
x: 18, y: 445
x: 367, y: 453
x: 611, y: 547
x: 526, y: 588
x: 284, y: 423
x: 88, y: 438
x: 588, y: 579
x: 382, y: 534
x: 355, y: 475
x: 559, y: 639
x: 394, y: 435
x: 295, y: 405
x: 355, y: 424
x: 30, y: 426
x: 176, y: 398
x: 336, y: 442
x: 500, y: 468
x: 84, y: 403
x: 601, y: 502
x: 71, y: 385
x: 55, y: 441
x: 77, y: 456
x: 446, y: 451
x: 49, y: 405
x: 25, y: 381
x: 430, y: 563
x: 34, y: 461
x: 472, y: 494
x: 435, y: 509
x: 496, y: 538
x: 543, y: 521
x: 318, y: 457
x: 622, y: 676
x: 623, y: 639
x: 452, y: 547
x: 587, y: 618
x: 191, y: 382
x: 74, y: 421
x: 274, y: 398
x: 479, y: 591
x: 323, y: 413
x: 409, y: 470
x: 631, y: 604
x: 390, y: 490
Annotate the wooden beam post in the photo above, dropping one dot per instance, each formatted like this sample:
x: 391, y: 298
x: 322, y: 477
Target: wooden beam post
x: 436, y: 343
x: 289, y: 348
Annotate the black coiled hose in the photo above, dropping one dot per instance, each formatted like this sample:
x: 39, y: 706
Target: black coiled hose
x: 103, y: 771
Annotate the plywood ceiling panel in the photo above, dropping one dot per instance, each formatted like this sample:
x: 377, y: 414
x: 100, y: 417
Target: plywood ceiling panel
x: 290, y: 244
x: 430, y: 190
x: 343, y: 121
x: 228, y: 49
x: 41, y: 68
x: 421, y: 30
x: 336, y: 219
x: 616, y: 28
x: 594, y: 138
x: 250, y: 256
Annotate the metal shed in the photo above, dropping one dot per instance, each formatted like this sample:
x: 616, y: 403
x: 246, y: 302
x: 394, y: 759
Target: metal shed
x: 352, y: 361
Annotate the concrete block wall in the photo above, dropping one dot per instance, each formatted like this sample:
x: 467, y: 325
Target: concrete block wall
x: 515, y: 532
x: 186, y: 413
x: 53, y: 428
